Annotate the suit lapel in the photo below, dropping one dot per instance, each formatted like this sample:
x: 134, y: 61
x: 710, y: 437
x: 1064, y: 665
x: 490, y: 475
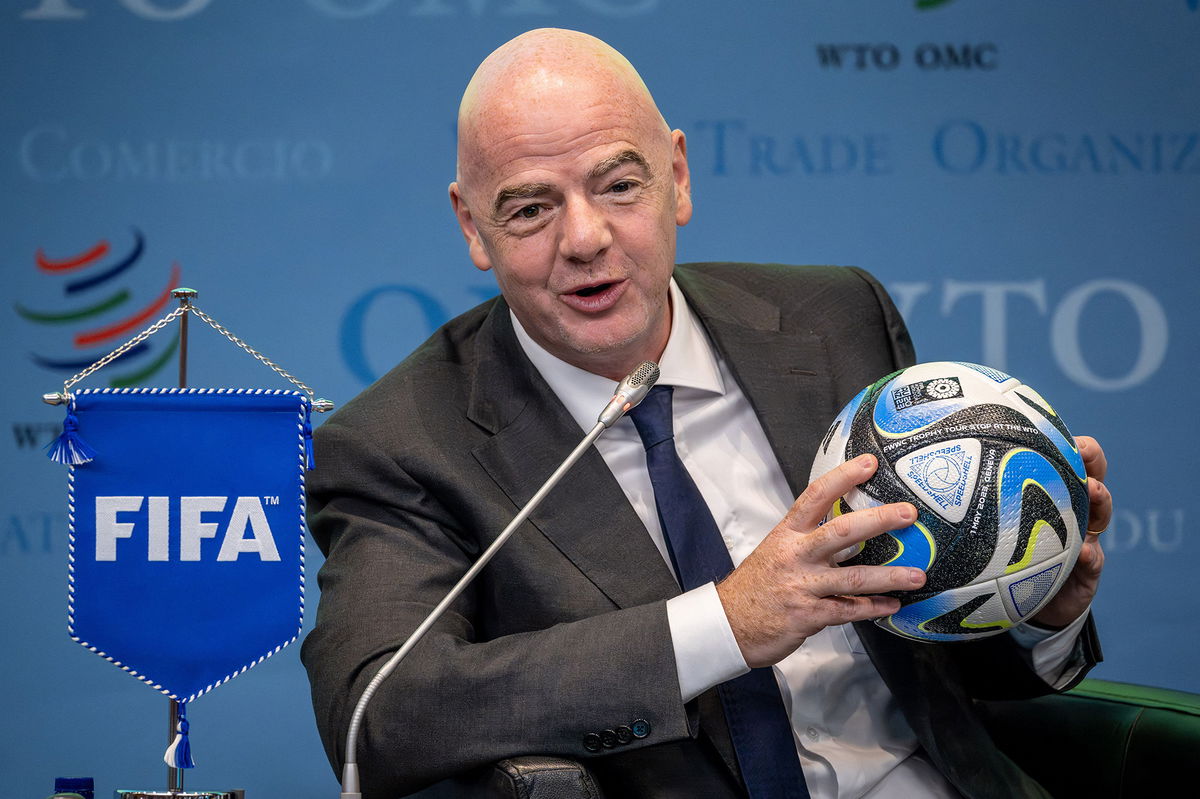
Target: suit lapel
x: 782, y: 367
x: 587, y: 515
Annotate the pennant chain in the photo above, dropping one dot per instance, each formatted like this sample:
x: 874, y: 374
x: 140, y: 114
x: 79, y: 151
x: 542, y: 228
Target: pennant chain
x: 318, y: 405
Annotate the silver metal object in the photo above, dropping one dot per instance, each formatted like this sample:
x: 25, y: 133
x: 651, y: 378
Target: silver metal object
x: 350, y: 775
x: 174, y: 775
x: 630, y: 391
x: 121, y: 350
x: 185, y: 309
x: 185, y: 296
x: 257, y: 355
x: 178, y: 794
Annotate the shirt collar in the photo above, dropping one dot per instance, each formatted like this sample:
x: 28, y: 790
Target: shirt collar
x: 688, y: 361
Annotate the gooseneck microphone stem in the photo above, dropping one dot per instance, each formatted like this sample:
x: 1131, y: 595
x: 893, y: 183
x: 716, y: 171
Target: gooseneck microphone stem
x: 629, y: 393
x: 350, y: 786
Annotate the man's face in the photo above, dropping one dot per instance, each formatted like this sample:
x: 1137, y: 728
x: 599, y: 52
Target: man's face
x: 574, y: 206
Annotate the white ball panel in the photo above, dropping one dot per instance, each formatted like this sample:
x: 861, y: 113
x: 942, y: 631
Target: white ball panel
x: 943, y: 475
x: 1027, y: 591
x: 992, y: 613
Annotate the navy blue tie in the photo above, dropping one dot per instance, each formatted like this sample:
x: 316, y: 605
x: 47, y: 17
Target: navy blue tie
x: 758, y: 723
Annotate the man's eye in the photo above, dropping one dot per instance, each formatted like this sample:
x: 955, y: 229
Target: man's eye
x: 529, y: 212
x: 621, y: 186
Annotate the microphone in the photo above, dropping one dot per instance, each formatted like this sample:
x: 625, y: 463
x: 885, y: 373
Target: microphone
x: 629, y: 393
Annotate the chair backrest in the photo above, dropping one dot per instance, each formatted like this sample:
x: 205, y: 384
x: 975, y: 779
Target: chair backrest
x: 1102, y: 738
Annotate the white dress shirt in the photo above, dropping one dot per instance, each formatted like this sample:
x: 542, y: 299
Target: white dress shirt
x: 852, y: 739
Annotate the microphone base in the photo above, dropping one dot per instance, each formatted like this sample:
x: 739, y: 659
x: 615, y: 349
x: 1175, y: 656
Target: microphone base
x: 179, y: 794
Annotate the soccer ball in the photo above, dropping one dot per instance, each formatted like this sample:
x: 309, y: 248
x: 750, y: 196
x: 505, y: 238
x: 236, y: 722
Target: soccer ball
x: 1000, y: 490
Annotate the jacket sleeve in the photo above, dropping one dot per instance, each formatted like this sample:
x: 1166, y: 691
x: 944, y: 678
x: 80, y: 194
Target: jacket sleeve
x: 471, y: 692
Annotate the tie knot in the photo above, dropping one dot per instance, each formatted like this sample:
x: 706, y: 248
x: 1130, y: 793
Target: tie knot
x: 652, y: 417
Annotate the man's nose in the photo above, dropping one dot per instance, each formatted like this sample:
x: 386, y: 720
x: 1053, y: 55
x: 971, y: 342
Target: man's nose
x: 586, y: 231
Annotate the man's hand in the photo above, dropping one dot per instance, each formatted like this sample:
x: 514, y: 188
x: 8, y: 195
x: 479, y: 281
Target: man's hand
x: 1077, y: 593
x: 790, y: 587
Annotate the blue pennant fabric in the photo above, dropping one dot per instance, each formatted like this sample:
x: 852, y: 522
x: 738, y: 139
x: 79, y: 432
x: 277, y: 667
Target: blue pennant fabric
x: 758, y: 722
x: 187, y: 531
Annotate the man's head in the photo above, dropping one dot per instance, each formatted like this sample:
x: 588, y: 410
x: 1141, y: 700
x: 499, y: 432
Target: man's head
x: 569, y: 187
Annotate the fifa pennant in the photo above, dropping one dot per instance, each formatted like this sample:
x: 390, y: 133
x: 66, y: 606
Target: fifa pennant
x: 186, y: 515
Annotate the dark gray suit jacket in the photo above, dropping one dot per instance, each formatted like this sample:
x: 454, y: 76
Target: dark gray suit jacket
x: 565, y: 632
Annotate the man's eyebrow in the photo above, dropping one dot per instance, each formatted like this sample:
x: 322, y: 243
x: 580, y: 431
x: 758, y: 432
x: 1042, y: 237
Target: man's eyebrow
x: 520, y: 191
x: 612, y: 162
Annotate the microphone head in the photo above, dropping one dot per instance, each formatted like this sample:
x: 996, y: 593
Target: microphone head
x: 645, y: 375
x: 637, y: 384
x: 630, y: 391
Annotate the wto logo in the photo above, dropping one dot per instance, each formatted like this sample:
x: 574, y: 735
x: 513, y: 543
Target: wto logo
x: 95, y: 310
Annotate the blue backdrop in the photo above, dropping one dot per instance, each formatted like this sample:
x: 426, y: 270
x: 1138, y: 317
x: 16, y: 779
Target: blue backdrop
x: 1023, y: 176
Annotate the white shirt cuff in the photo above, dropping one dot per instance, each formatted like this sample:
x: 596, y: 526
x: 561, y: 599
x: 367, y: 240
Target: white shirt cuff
x: 1052, y: 650
x: 706, y: 652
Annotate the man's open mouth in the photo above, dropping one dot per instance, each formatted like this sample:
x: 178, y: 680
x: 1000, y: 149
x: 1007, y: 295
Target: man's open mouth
x: 596, y: 298
x: 590, y: 290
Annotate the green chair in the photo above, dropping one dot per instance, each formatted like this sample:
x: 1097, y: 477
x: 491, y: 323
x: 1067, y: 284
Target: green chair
x: 1099, y: 740
x: 1104, y: 739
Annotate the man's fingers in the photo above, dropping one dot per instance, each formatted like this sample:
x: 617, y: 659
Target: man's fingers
x: 844, y: 609
x: 1094, y: 461
x: 1091, y: 557
x: 1100, y: 507
x: 868, y: 580
x: 851, y: 528
x: 810, y: 507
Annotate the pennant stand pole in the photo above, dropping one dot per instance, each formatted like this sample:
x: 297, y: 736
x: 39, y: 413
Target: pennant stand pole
x: 176, y: 726
x: 185, y: 296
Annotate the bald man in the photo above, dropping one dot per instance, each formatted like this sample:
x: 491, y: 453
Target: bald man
x: 578, y: 640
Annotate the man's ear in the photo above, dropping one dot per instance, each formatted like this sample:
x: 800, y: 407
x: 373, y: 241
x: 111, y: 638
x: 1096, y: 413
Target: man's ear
x: 682, y: 178
x: 470, y: 232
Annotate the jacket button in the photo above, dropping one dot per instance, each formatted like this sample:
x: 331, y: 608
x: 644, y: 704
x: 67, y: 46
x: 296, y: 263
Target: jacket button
x: 640, y: 728
x: 591, y: 742
x: 624, y: 734
x: 608, y: 738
